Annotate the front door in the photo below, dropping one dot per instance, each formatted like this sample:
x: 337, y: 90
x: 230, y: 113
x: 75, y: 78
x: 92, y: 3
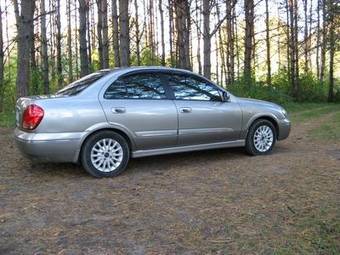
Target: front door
x: 203, y: 116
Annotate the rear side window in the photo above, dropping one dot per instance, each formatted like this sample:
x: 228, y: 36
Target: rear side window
x: 78, y: 86
x: 137, y: 86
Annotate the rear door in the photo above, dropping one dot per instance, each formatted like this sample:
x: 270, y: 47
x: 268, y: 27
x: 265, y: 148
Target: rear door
x: 203, y: 116
x: 139, y: 103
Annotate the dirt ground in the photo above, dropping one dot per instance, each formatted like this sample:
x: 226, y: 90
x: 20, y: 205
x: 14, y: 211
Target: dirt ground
x: 209, y: 202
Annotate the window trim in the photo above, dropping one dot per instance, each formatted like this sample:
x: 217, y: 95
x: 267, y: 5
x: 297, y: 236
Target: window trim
x: 141, y: 72
x: 165, y: 84
x: 196, y: 77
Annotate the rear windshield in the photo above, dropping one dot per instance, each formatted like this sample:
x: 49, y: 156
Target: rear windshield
x: 78, y: 86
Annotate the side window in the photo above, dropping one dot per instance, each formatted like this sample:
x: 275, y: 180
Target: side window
x: 137, y: 86
x: 192, y: 88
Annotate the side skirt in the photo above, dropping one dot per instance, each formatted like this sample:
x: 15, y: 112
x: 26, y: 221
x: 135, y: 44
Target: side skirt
x: 178, y: 149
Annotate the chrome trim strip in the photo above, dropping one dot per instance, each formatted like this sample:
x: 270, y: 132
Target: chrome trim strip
x: 156, y: 133
x: 204, y: 131
x: 144, y: 153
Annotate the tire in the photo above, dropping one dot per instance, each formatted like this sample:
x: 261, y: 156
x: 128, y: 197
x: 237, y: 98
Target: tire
x: 108, y: 148
x: 263, y: 130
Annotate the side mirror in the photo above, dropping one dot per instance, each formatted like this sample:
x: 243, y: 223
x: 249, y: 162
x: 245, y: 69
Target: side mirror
x: 226, y: 96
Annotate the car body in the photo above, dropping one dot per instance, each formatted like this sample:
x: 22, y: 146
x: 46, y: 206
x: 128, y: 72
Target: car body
x: 155, y: 110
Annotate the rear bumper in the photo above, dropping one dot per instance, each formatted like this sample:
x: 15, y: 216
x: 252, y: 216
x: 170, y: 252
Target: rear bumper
x: 49, y: 147
x: 284, y: 129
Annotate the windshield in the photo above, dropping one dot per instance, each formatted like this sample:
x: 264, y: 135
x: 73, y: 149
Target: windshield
x: 77, y: 86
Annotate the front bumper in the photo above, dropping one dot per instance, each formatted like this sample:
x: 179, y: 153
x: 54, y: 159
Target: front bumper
x: 49, y: 147
x: 284, y: 129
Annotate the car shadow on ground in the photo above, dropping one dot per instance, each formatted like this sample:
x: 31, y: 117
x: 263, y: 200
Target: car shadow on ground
x: 153, y: 164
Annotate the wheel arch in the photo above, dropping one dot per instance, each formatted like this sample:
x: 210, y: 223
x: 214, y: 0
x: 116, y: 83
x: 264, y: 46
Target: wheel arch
x: 119, y: 131
x: 270, y: 118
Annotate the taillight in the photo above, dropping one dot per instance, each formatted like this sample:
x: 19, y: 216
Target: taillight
x: 32, y: 116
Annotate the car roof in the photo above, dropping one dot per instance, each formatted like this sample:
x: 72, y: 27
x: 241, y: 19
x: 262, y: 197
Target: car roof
x: 123, y: 70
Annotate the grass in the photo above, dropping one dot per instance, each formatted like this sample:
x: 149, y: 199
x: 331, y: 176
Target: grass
x: 329, y: 130
x: 7, y: 119
x: 315, y: 234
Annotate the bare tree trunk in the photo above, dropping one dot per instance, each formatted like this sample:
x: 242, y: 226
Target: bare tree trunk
x: 294, y: 51
x: 124, y: 33
x: 2, y: 86
x: 76, y: 39
x: 206, y: 39
x: 331, y: 13
x: 171, y: 32
x: 288, y: 39
x: 162, y: 31
x: 99, y: 32
x: 230, y: 9
x: 24, y: 22
x: 183, y: 33
x: 269, y: 73
x: 44, y: 54
x: 324, y: 41
x: 115, y: 36
x: 138, y: 36
x: 248, y: 41
x: 84, y: 59
x: 151, y: 30
x: 58, y: 40
x: 69, y: 41
x: 318, y: 34
x: 88, y: 34
x: 305, y: 48
x: 198, y: 31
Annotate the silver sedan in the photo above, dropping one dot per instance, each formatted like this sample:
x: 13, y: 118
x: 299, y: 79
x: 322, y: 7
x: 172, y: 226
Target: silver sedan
x: 110, y: 116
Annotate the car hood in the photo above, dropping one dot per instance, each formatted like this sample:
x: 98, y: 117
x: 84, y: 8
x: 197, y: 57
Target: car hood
x: 258, y: 102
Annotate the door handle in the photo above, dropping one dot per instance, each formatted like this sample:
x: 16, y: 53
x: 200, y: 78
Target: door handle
x: 118, y: 110
x: 185, y: 110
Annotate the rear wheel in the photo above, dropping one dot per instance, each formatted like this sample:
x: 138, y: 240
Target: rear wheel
x: 105, y: 154
x: 261, y: 137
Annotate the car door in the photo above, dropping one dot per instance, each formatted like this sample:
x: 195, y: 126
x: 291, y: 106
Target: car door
x: 138, y: 102
x: 203, y: 116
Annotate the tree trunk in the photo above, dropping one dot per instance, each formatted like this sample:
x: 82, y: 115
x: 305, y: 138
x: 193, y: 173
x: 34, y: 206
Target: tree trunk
x: 69, y: 41
x: 24, y: 22
x: 162, y: 31
x: 183, y: 33
x: 100, y: 33
x: 58, y: 41
x: 198, y: 31
x: 324, y: 42
x: 171, y: 32
x: 331, y: 12
x: 84, y: 59
x: 138, y: 37
x: 294, y: 50
x: 248, y: 41
x: 230, y: 8
x: 269, y: 74
x: 115, y: 32
x: 305, y: 48
x: 206, y: 39
x: 318, y: 34
x: 1, y: 63
x: 44, y: 54
x: 124, y: 33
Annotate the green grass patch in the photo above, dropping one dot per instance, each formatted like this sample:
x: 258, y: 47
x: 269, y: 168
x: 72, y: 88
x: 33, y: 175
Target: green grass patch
x: 304, y: 111
x: 329, y: 130
x: 316, y: 234
x: 7, y: 119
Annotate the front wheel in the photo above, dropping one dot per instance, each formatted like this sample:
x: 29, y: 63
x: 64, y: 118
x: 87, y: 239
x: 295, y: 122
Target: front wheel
x: 105, y: 154
x: 261, y: 137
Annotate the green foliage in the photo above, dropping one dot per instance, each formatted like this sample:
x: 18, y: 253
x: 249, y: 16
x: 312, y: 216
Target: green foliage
x: 311, y: 89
